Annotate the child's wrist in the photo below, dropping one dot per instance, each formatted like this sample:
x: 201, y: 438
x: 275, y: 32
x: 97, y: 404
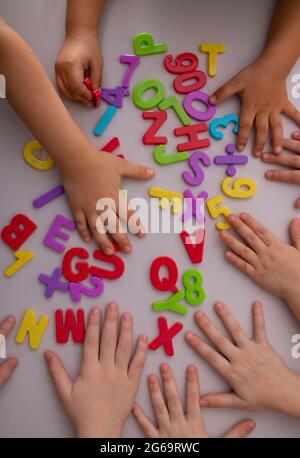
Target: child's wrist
x: 80, y: 32
x: 276, y: 62
x: 109, y: 431
x: 286, y: 398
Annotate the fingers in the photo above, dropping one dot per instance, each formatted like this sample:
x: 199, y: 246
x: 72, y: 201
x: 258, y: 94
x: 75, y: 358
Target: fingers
x: 218, y: 362
x: 215, y: 335
x: 222, y: 400
x: 287, y: 160
x: 293, y: 144
x: 297, y: 203
x: 109, y: 220
x: 6, y: 370
x: 241, y: 430
x: 193, y: 394
x: 247, y: 233
x: 75, y: 84
x: 295, y: 233
x: 136, y: 171
x: 231, y: 324
x: 92, y: 338
x: 285, y: 176
x: 292, y: 112
x: 239, y: 248
x: 171, y: 391
x: 61, y: 379
x: 262, y: 129
x: 97, y: 229
x: 124, y: 346
x: 138, y: 361
x: 109, y: 335
x: 259, y: 327
x: 226, y: 91
x: 158, y: 403
x: 259, y: 229
x: 82, y: 226
x: 143, y: 421
x: 96, y: 72
x: 240, y: 264
x: 277, y: 132
x: 246, y: 123
x: 6, y: 325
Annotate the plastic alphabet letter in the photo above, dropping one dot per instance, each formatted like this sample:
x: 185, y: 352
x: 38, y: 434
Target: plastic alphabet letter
x: 166, y: 335
x: 34, y: 330
x: 171, y: 304
x: 81, y: 267
x: 18, y: 231
x: 193, y: 112
x: 167, y: 283
x: 144, y: 86
x: 23, y: 257
x: 48, y: 197
x: 105, y: 120
x: 115, y: 96
x: 192, y: 132
x: 195, y: 251
x: 193, y: 209
x: 55, y: 231
x: 53, y: 282
x: 31, y: 159
x: 166, y: 197
x: 144, y: 45
x: 150, y: 137
x: 116, y: 261
x: 64, y: 326
x: 198, y: 177
x: 165, y: 159
x: 212, y: 49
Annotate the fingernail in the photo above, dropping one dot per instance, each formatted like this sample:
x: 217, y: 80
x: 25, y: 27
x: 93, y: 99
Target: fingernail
x: 240, y: 147
x: 189, y: 336
x: 144, y: 338
x: 257, y: 152
x: 191, y: 370
x: 13, y: 363
x: 278, y: 149
x: 296, y: 133
x: 200, y: 316
x: 127, y: 249
x: 87, y: 239
x: 113, y: 306
x: 212, y: 99
x: 219, y: 306
x: 126, y: 316
x: 95, y: 312
x: 266, y: 156
x: 232, y: 218
x: 149, y: 172
x: 268, y: 174
x: 10, y: 319
x: 109, y: 251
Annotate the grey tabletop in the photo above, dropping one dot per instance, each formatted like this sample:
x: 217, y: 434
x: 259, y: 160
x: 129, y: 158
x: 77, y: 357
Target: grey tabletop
x: 28, y: 405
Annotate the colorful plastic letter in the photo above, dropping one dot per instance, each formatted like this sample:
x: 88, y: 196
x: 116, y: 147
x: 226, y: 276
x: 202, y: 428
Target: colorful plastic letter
x: 64, y: 326
x: 116, y: 261
x: 231, y: 160
x: 18, y: 231
x: 198, y: 177
x: 144, y: 45
x: 194, y: 141
x: 198, y: 76
x: 193, y: 112
x: 105, y: 120
x: 238, y: 191
x: 195, y: 251
x: 179, y: 66
x: 31, y: 159
x: 82, y: 268
x: 171, y: 304
x: 48, y: 196
x: 145, y: 86
x: 34, y: 330
x: 195, y: 206
x: 77, y: 289
x: 133, y: 62
x: 23, y: 257
x: 224, y: 122
x: 150, y: 137
x: 215, y: 212
x: 53, y: 283
x: 167, y: 283
x: 212, y: 49
x: 55, y: 231
x: 112, y: 145
x: 114, y: 96
x: 166, y: 197
x: 174, y: 102
x: 165, y: 159
x: 194, y: 292
x: 96, y: 93
x: 166, y: 335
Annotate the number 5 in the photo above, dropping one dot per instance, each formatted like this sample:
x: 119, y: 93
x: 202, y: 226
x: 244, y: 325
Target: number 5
x: 215, y: 212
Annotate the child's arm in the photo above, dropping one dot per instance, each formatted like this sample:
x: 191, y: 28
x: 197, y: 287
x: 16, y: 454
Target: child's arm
x: 8, y: 366
x: 81, y: 52
x: 101, y: 398
x: 261, y: 85
x: 258, y: 376
x: 88, y: 175
x: 173, y: 420
x: 269, y: 262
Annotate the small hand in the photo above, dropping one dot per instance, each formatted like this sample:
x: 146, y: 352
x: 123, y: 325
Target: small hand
x: 99, y: 176
x: 101, y: 398
x: 291, y: 161
x: 172, y: 420
x: 269, y: 262
x: 80, y: 56
x: 8, y: 366
x: 264, y: 97
x: 258, y: 376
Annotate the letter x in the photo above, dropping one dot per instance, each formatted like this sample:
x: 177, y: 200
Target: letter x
x: 165, y: 336
x: 53, y: 282
x: 193, y: 209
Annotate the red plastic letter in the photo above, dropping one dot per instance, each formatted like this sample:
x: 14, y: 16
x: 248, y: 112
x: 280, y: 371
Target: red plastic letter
x: 18, y: 231
x: 105, y: 273
x: 150, y: 137
x: 179, y: 66
x: 81, y: 267
x: 63, y: 327
x: 167, y: 283
x: 195, y: 251
x: 192, y: 132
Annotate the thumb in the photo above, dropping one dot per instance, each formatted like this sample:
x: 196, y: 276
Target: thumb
x: 227, y: 400
x: 136, y: 171
x: 61, y: 379
x: 226, y: 91
x: 6, y: 370
x: 242, y: 429
x: 96, y: 71
x: 295, y: 233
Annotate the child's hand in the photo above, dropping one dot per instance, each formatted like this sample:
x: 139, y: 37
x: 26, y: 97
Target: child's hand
x: 292, y: 175
x: 258, y: 376
x: 101, y: 398
x: 172, y: 419
x: 264, y: 98
x: 8, y: 366
x: 97, y: 176
x: 269, y: 262
x: 79, y: 56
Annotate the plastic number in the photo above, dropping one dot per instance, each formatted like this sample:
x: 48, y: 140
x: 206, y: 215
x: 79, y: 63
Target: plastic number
x: 215, y: 212
x: 179, y: 66
x: 236, y: 190
x: 192, y: 280
x: 224, y: 122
